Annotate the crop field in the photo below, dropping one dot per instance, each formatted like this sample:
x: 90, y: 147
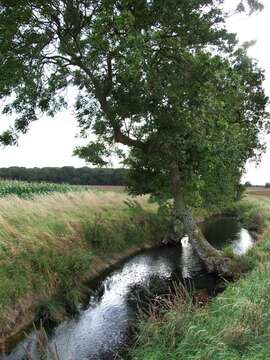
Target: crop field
x: 26, y: 189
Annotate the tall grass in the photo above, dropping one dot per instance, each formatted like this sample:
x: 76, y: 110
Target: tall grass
x: 45, y: 350
x: 48, y: 243
x: 234, y: 326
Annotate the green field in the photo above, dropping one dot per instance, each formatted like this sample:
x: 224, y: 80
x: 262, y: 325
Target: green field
x: 25, y: 189
x: 233, y: 326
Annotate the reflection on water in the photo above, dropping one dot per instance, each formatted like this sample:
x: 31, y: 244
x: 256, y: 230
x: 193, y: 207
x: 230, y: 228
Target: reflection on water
x: 104, y: 326
x: 190, y: 263
x: 243, y: 242
x: 227, y: 231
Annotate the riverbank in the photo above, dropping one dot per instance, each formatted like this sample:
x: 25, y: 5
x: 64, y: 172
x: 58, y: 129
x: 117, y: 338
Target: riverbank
x: 50, y: 245
x: 235, y: 325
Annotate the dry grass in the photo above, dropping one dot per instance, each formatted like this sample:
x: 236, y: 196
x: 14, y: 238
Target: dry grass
x: 27, y: 223
x: 112, y: 188
x: 48, y: 243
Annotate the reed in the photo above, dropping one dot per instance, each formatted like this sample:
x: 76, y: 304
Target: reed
x: 48, y: 243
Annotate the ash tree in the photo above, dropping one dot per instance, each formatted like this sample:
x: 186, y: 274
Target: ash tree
x: 164, y: 78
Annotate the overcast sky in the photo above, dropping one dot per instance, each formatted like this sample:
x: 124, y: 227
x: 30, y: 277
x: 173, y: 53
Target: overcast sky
x: 50, y: 142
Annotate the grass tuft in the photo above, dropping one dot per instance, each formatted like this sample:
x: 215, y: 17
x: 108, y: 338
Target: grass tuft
x: 233, y: 326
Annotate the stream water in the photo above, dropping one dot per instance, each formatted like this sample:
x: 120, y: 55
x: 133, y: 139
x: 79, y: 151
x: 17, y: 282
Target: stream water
x: 104, y: 324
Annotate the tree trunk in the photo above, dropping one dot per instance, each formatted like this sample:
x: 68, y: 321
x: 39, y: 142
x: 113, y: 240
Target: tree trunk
x: 213, y: 259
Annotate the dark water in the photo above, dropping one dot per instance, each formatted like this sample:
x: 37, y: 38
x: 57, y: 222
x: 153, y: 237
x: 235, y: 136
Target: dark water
x: 222, y: 231
x: 104, y: 325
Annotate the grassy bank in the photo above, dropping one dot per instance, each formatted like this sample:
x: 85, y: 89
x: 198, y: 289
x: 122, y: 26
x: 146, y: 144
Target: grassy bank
x: 49, y: 243
x: 235, y: 325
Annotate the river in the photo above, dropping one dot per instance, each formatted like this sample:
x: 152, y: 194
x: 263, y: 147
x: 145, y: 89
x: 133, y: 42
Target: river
x: 104, y: 325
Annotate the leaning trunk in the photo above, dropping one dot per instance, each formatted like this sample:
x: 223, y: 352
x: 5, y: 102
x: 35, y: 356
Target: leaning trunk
x: 213, y: 259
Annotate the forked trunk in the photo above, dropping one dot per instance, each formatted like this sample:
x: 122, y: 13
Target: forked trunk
x: 213, y: 259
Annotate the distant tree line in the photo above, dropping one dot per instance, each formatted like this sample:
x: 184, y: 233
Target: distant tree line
x: 248, y: 184
x: 66, y: 174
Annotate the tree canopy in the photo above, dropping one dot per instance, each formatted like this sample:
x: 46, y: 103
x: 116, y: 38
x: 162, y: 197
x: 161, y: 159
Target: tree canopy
x: 211, y: 130
x: 112, y: 52
x: 163, y: 77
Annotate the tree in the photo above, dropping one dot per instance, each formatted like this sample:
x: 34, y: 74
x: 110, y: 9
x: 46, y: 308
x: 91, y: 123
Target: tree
x: 148, y: 76
x: 207, y: 142
x: 70, y: 175
x: 267, y: 185
x: 251, y: 5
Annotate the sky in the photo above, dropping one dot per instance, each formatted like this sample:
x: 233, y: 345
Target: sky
x: 50, y: 141
x: 256, y: 27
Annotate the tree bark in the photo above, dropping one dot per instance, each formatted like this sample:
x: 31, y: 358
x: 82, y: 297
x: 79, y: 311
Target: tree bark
x: 213, y: 259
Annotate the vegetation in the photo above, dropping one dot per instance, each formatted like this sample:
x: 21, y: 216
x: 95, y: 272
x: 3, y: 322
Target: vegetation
x: 167, y: 80
x: 47, y: 246
x: 164, y: 78
x: 67, y: 175
x: 25, y: 189
x: 233, y: 326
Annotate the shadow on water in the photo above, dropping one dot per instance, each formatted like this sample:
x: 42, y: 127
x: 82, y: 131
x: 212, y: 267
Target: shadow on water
x: 221, y: 231
x: 104, y: 324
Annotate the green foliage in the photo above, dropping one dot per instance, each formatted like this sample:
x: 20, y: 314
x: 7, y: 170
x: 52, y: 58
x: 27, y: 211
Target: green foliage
x: 253, y: 215
x: 228, y: 252
x: 66, y: 175
x: 163, y: 77
x: 51, y: 310
x: 27, y: 190
x: 209, y: 146
x: 234, y: 326
x: 105, y: 232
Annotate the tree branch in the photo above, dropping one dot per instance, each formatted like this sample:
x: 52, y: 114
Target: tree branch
x: 121, y: 138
